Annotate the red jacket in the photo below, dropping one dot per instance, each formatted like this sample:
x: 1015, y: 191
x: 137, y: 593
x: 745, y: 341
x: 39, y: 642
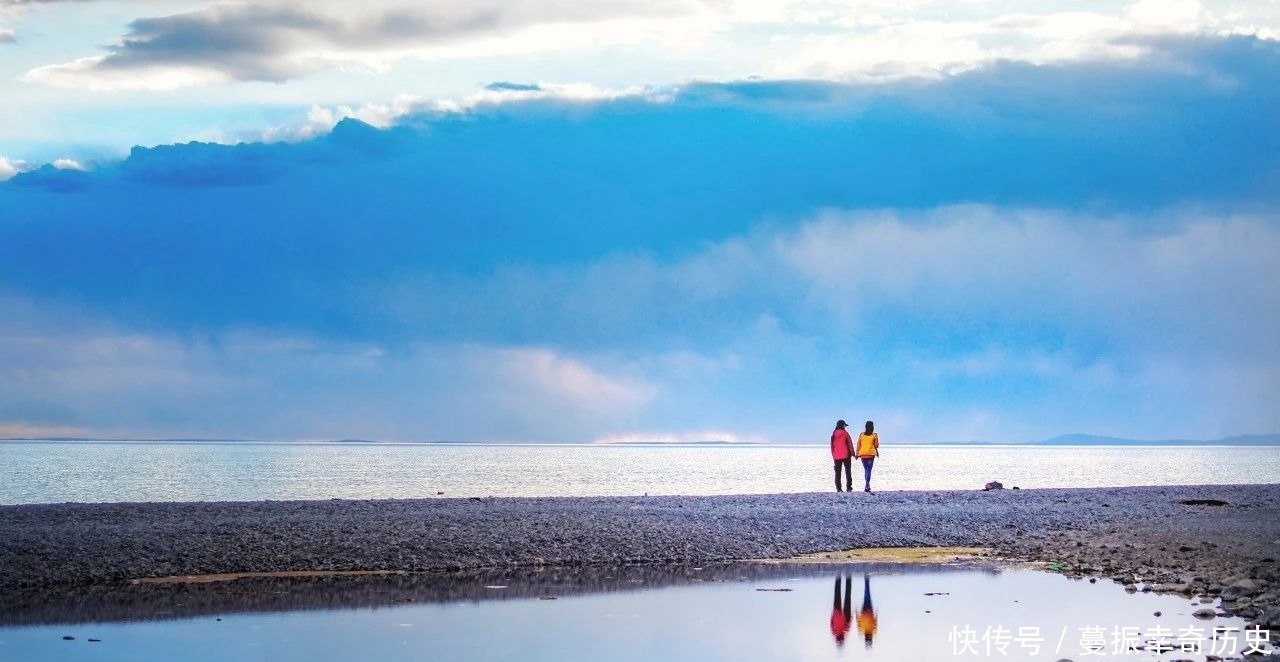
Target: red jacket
x: 841, y: 445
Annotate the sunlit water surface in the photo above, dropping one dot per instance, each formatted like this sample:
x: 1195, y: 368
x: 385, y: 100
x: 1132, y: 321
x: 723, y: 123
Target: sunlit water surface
x: 846, y: 612
x: 43, y: 472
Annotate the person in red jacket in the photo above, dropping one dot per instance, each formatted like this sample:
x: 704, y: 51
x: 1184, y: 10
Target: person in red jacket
x: 841, y: 452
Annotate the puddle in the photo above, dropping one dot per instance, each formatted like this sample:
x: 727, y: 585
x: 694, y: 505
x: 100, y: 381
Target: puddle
x: 808, y: 611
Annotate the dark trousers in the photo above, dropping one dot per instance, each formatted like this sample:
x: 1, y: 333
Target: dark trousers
x: 866, y: 468
x: 847, y: 463
x: 847, y: 607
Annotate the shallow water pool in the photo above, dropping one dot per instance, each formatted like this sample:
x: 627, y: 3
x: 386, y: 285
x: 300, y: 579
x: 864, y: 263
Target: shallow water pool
x: 727, y: 612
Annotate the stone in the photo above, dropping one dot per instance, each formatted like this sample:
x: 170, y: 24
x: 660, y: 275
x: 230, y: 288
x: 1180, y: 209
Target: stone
x: 993, y: 485
x: 1205, y: 613
x: 1270, y: 619
x: 1245, y: 584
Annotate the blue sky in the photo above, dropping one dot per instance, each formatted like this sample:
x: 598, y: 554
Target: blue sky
x: 552, y: 221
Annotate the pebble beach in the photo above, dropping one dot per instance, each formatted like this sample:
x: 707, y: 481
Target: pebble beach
x: 1219, y: 541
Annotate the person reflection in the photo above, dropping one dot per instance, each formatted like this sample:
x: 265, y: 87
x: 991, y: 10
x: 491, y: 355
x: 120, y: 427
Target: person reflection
x: 867, y: 615
x: 842, y: 613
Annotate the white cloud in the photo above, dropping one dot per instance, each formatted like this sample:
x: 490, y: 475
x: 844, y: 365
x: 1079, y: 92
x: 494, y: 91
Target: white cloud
x: 67, y: 164
x: 321, y: 119
x: 95, y: 380
x: 1168, y: 14
x: 87, y: 72
x: 8, y: 168
x: 1034, y: 323
x: 1197, y: 275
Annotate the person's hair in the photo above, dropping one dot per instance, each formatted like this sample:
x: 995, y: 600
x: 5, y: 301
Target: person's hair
x: 871, y: 427
x: 840, y: 425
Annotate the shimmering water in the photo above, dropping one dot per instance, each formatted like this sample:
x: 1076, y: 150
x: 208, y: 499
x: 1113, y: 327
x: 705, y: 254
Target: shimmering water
x: 740, y: 613
x: 39, y: 472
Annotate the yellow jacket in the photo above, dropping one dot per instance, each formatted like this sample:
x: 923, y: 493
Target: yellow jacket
x: 868, y: 445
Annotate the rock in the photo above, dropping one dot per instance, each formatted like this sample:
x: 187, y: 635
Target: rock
x: 1157, y: 614
x: 1205, y: 613
x: 1230, y: 593
x: 993, y: 485
x: 1203, y: 502
x: 1247, y: 585
x: 1130, y: 588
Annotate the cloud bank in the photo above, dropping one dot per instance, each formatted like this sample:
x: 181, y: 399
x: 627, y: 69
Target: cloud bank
x: 281, y: 40
x: 1006, y: 254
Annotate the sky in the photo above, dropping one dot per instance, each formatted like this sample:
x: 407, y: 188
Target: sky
x: 558, y: 221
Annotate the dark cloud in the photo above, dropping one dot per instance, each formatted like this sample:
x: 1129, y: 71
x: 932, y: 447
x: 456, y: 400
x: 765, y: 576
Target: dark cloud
x: 276, y: 41
x: 504, y: 86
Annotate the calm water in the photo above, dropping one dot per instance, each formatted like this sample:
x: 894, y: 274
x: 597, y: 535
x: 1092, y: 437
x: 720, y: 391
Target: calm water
x: 845, y: 612
x: 41, y: 472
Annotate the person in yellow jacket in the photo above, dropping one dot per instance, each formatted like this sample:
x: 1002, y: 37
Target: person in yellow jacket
x: 867, y: 450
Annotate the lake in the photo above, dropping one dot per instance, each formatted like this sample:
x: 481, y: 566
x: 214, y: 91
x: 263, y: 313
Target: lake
x: 50, y: 472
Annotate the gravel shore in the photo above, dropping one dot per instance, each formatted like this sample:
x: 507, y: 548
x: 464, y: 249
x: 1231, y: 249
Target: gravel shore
x: 1218, y: 540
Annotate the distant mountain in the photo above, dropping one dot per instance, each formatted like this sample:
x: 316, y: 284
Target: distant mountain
x: 1098, y: 440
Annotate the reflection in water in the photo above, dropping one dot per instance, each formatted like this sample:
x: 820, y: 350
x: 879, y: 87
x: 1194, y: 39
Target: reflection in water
x: 145, y: 602
x: 867, y: 615
x: 842, y: 610
x: 841, y: 613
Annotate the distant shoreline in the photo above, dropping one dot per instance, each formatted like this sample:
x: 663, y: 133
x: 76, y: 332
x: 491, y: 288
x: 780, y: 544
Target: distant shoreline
x: 1261, y: 441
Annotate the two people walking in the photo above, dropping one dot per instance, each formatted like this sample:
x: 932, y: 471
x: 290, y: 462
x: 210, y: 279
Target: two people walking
x: 844, y: 449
